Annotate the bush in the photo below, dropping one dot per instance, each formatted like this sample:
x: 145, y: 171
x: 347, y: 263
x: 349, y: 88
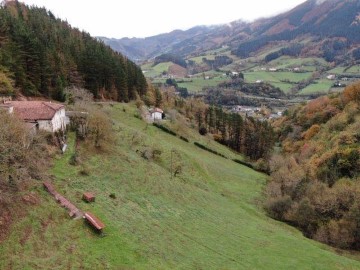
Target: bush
x: 100, y: 130
x: 209, y: 149
x: 84, y: 171
x: 311, y: 132
x: 243, y: 163
x: 184, y: 139
x: 163, y: 128
x: 278, y: 207
x: 74, y: 159
x: 352, y: 93
x: 203, y: 131
x: 151, y: 153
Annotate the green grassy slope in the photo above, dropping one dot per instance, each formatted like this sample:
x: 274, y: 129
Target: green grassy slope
x: 153, y: 71
x: 196, y: 84
x: 321, y: 86
x: 209, y: 217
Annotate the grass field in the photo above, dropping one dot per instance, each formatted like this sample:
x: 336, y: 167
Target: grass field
x: 321, y: 86
x: 209, y: 217
x: 199, y: 59
x: 196, y: 84
x: 285, y: 87
x: 285, y: 80
x: 154, y: 71
x: 345, y: 70
x: 210, y: 55
x: 337, y: 70
x: 288, y: 62
x: 354, y: 69
x: 275, y: 77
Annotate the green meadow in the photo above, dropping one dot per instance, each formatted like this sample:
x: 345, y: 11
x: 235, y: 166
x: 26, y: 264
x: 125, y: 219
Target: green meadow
x: 151, y: 71
x: 320, y: 86
x: 196, y: 84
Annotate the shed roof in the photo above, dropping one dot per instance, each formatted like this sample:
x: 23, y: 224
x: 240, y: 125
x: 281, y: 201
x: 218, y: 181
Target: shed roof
x: 35, y: 110
x: 94, y: 221
x: 156, y: 110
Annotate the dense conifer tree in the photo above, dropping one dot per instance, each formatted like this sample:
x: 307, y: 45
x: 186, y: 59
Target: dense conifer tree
x: 44, y: 55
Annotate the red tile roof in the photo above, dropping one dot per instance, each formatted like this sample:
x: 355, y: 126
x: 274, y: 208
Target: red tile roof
x: 35, y: 110
x: 94, y: 221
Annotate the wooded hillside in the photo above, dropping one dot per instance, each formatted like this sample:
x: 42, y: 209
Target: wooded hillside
x: 40, y: 55
x: 315, y: 181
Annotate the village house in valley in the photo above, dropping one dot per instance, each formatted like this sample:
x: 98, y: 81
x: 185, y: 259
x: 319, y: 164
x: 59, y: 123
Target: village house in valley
x: 45, y: 115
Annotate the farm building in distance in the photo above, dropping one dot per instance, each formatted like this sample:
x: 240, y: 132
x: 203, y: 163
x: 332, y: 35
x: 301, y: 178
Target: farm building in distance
x: 156, y: 114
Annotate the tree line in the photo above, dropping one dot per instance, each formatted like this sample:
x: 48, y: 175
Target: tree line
x: 42, y: 55
x: 253, y: 138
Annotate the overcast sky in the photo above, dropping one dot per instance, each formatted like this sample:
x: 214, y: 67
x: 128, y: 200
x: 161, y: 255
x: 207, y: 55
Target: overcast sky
x: 143, y: 18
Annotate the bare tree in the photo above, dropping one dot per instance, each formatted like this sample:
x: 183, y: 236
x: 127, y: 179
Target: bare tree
x: 78, y: 96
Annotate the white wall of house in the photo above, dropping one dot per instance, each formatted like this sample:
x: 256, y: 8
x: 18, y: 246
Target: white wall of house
x: 45, y: 125
x: 156, y: 115
x: 57, y: 123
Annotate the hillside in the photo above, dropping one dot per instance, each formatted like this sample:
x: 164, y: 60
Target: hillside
x: 207, y: 217
x: 315, y: 178
x: 140, y: 49
x: 41, y: 55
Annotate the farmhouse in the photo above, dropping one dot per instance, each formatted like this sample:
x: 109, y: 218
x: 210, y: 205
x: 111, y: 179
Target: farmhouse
x: 47, y: 116
x: 156, y: 114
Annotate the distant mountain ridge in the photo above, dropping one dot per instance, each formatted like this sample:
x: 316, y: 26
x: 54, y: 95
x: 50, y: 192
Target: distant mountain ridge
x: 145, y: 48
x: 315, y: 18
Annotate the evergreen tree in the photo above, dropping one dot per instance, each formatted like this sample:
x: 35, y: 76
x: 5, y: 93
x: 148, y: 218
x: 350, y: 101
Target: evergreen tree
x: 40, y: 51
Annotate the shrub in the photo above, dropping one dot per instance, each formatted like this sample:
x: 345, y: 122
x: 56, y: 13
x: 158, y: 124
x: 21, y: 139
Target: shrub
x: 100, y: 130
x: 163, y: 128
x: 184, y: 139
x: 151, y: 153
x: 243, y: 163
x: 84, y: 171
x: 311, y: 132
x: 74, y: 159
x: 208, y: 149
x: 352, y: 93
x: 278, y: 207
x: 203, y: 131
x: 305, y: 217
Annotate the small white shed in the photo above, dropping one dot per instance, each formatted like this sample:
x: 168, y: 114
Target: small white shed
x: 156, y: 114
